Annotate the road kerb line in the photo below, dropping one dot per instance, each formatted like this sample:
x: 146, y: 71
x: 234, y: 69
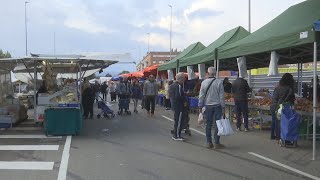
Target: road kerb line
x: 25, y: 165
x: 285, y: 166
x: 24, y: 136
x: 63, y: 169
x: 29, y: 147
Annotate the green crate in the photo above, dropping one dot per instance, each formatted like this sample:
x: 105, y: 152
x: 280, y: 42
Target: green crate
x: 63, y: 121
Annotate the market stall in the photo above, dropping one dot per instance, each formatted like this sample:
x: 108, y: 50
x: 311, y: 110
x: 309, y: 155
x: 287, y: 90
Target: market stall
x: 11, y: 111
x: 58, y: 106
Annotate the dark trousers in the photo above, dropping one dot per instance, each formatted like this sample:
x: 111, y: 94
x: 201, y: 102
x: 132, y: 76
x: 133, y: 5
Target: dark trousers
x: 113, y: 96
x: 178, y: 115
x: 167, y: 103
x: 104, y: 96
x: 275, y: 126
x: 150, y: 102
x: 242, y: 112
x: 87, y: 109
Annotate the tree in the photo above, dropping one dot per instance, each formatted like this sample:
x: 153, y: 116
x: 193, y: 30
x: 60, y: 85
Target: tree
x: 108, y: 75
x: 124, y: 72
x: 4, y: 55
x: 92, y: 76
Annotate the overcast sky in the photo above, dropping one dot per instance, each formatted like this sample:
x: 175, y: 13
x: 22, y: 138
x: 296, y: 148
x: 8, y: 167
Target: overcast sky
x: 121, y: 26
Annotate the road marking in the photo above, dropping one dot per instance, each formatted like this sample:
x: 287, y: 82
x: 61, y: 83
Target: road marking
x: 29, y: 147
x: 168, y: 118
x: 25, y: 128
x: 189, y: 128
x: 65, y: 160
x: 28, y: 122
x: 21, y: 165
x: 285, y: 166
x: 28, y: 137
x: 198, y: 131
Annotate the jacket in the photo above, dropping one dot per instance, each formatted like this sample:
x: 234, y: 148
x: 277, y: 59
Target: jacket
x: 136, y: 91
x: 150, y: 88
x: 103, y: 88
x: 178, y: 97
x: 282, y: 94
x: 215, y: 94
x: 88, y: 96
x: 240, y: 89
x: 124, y: 88
x: 112, y: 88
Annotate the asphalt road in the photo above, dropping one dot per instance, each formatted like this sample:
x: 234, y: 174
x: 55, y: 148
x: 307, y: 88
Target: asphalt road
x: 137, y: 147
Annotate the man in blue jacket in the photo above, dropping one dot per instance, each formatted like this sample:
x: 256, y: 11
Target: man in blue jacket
x: 179, y: 101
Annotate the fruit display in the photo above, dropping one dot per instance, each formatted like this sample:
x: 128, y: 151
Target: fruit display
x: 228, y: 96
x: 231, y: 100
x: 266, y: 102
x: 263, y: 93
x: 68, y: 95
x: 305, y: 105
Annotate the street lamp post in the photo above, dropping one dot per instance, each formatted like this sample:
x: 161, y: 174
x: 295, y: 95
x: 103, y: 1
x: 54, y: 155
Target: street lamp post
x: 170, y: 29
x: 148, y: 42
x: 25, y: 24
x: 249, y: 16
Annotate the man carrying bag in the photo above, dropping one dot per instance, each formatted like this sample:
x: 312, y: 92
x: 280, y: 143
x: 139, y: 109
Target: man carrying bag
x: 212, y: 97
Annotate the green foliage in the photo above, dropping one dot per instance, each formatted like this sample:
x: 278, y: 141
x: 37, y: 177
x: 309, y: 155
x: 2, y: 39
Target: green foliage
x: 4, y: 55
x: 124, y: 72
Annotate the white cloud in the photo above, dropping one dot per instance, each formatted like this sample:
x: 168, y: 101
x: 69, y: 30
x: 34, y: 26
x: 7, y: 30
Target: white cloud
x: 75, y: 14
x: 188, y: 30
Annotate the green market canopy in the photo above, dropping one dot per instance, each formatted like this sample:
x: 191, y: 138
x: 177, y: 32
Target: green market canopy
x: 210, y: 53
x: 189, y: 51
x: 291, y: 34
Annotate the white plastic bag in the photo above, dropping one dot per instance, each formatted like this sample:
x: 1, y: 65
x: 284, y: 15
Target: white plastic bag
x: 224, y: 127
x: 200, y: 119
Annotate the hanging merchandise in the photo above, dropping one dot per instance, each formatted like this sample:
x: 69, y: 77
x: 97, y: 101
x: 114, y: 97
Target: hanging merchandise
x: 202, y: 71
x: 242, y: 66
x: 170, y: 75
x: 273, y: 66
x: 191, y: 73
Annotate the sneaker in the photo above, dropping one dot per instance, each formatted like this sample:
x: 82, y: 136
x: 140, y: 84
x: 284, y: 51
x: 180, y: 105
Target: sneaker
x: 238, y: 129
x: 175, y: 138
x: 209, y: 145
x: 181, y: 139
x: 246, y: 130
x: 219, y: 146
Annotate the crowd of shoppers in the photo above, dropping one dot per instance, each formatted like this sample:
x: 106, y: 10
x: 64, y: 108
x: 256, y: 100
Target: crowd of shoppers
x: 211, y: 97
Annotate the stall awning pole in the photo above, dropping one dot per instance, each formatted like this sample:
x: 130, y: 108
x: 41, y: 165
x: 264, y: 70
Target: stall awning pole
x: 315, y: 99
x: 35, y: 90
x: 218, y: 69
x: 298, y: 72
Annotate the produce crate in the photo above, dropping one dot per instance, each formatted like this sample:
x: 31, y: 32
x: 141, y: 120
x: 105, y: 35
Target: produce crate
x: 63, y: 121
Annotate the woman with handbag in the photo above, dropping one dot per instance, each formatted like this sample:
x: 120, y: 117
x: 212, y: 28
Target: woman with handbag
x: 283, y: 94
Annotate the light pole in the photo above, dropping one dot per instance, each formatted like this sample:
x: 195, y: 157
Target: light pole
x: 25, y: 24
x: 148, y: 42
x: 249, y: 16
x: 170, y: 29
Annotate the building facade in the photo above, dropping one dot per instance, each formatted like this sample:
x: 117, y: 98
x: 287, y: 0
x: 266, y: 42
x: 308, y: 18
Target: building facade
x: 153, y: 58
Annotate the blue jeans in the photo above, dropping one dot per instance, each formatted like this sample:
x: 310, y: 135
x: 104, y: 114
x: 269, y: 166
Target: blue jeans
x: 213, y: 113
